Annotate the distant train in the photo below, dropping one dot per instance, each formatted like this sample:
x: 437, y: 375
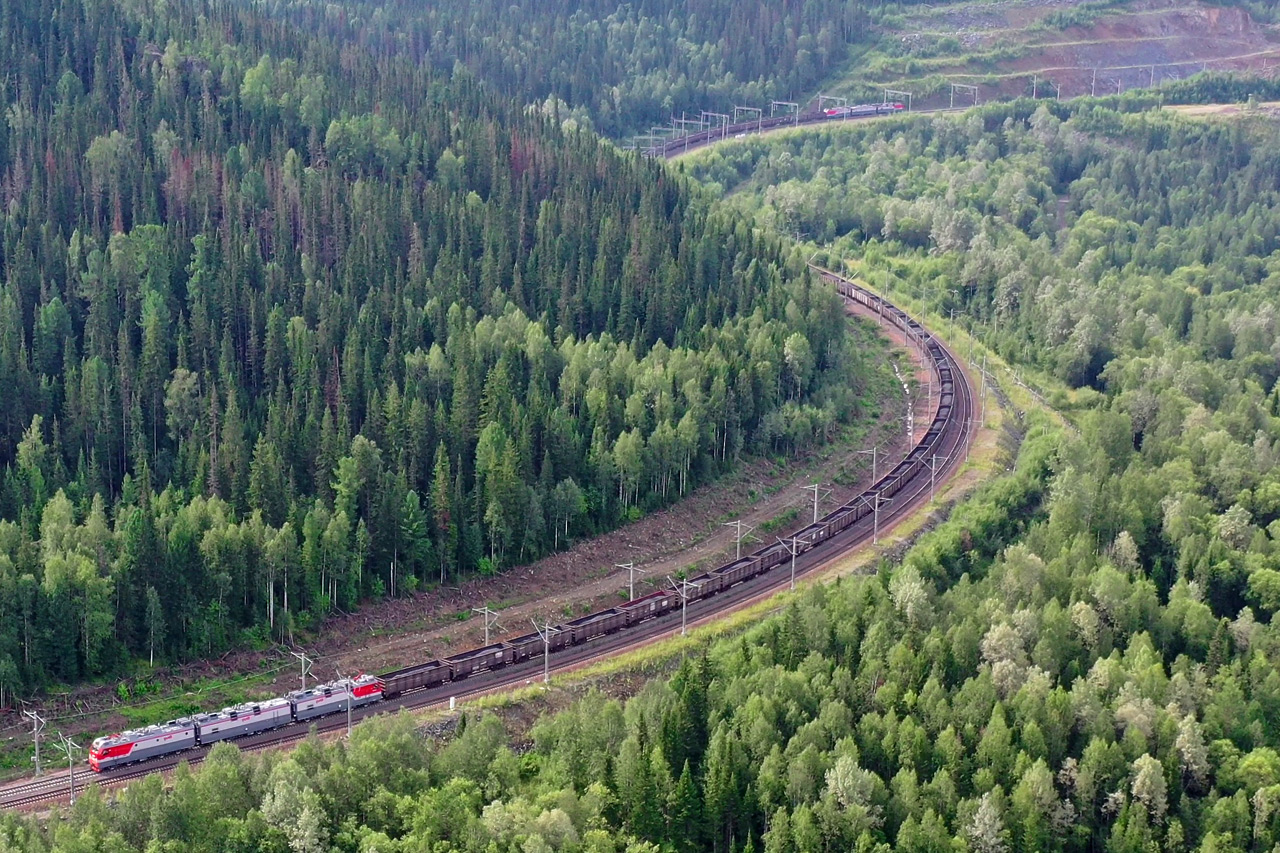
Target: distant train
x: 863, y: 110
x: 203, y: 729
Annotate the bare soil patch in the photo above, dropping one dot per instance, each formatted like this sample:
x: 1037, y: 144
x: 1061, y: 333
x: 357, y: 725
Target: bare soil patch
x: 1004, y: 47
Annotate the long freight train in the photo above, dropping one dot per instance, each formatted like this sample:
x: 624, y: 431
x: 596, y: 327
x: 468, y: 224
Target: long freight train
x: 203, y: 729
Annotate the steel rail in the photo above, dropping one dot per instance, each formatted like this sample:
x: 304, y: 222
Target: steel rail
x: 910, y: 488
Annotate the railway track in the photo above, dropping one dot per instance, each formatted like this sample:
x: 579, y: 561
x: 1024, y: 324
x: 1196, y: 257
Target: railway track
x: 693, y: 141
x: 909, y: 485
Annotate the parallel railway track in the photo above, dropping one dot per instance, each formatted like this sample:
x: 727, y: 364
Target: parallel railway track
x: 934, y: 458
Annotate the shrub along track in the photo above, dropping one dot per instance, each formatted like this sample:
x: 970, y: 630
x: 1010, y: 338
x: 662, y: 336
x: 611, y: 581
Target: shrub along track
x: 952, y: 443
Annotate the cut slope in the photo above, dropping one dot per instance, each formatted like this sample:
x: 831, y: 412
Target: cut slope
x: 1064, y: 47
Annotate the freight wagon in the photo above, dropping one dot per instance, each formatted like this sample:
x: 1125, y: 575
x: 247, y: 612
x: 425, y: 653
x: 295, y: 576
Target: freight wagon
x: 302, y: 705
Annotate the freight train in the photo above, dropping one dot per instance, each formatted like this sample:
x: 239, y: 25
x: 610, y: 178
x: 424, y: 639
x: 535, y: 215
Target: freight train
x: 203, y: 729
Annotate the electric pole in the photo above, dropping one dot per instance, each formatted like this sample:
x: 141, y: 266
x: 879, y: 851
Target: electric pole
x: 738, y: 525
x: 792, y: 545
x: 983, y: 392
x: 816, y: 488
x: 962, y: 87
x: 683, y: 591
x: 545, y: 633
x: 306, y: 666
x: 37, y: 727
x: 873, y: 451
x: 490, y: 619
x: 790, y: 107
x: 911, y: 419
x: 350, y: 685
x: 875, y: 516
x: 895, y: 93
x: 933, y: 474
x: 631, y: 577
x: 69, y: 747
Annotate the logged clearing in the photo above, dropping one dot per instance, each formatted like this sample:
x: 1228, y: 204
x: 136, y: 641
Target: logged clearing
x: 1055, y: 47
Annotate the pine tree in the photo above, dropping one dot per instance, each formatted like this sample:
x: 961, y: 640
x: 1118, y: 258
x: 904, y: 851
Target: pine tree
x: 446, y: 528
x: 155, y: 624
x: 685, y: 810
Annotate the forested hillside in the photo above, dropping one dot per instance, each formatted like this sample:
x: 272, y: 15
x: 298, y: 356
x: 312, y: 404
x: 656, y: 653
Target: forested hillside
x: 620, y: 66
x: 1133, y: 257
x: 288, y: 321
x: 1083, y: 657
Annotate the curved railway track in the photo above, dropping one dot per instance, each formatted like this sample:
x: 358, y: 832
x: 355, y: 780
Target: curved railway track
x: 934, y: 458
x: 693, y: 141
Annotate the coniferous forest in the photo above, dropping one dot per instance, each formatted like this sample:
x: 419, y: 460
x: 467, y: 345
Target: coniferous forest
x: 304, y: 305
x: 1082, y: 657
x: 621, y: 67
x: 290, y: 319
